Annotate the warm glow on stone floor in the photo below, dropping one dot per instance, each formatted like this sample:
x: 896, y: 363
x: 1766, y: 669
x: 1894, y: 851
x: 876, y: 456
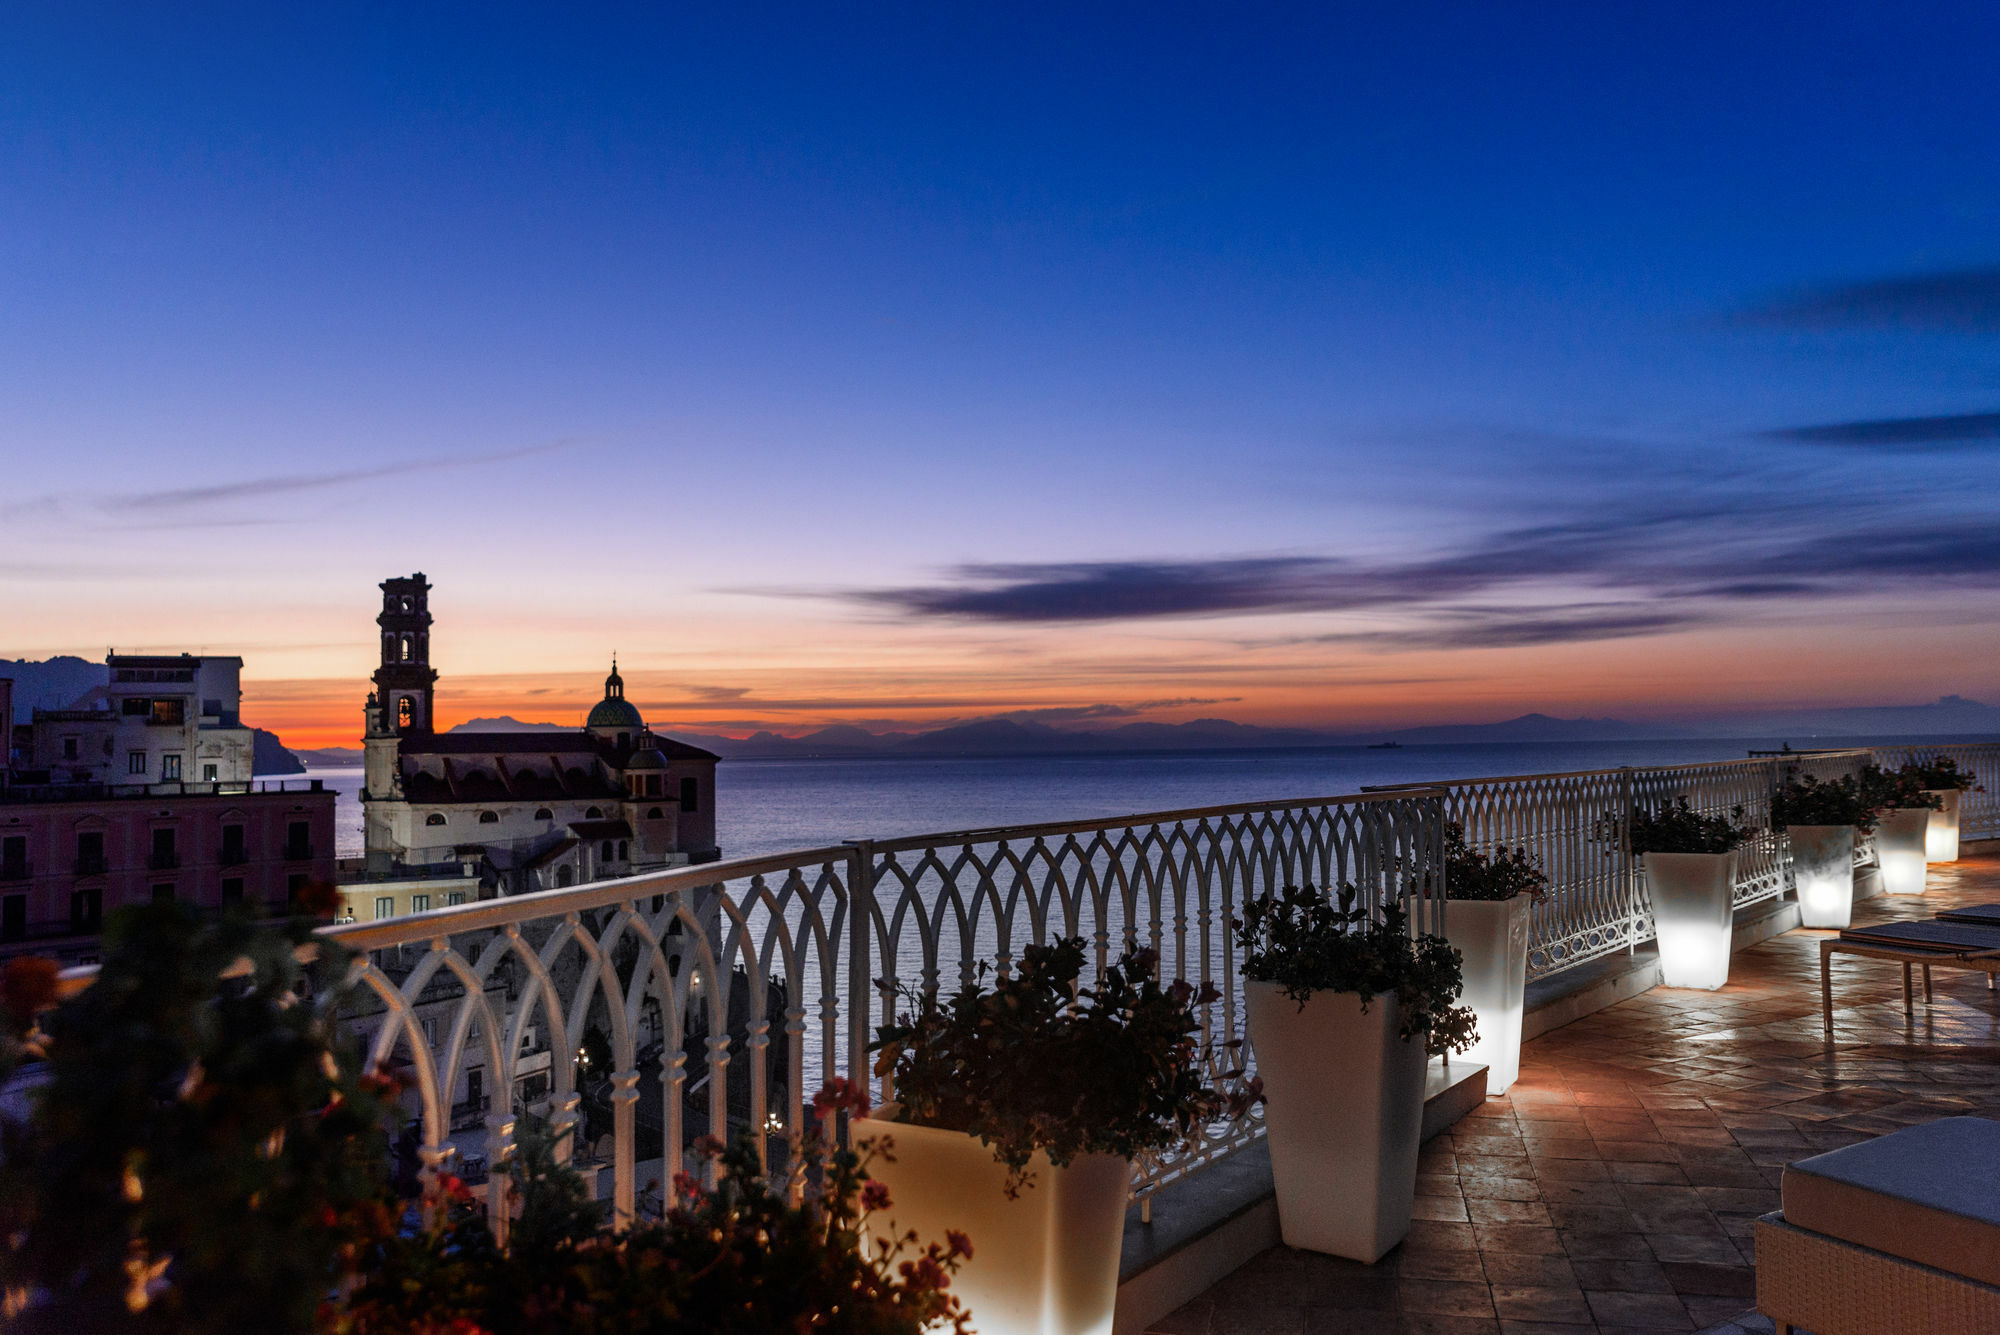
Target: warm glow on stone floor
x: 1615, y: 1187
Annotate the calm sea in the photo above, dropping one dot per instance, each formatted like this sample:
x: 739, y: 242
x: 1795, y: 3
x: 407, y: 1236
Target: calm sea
x: 770, y: 806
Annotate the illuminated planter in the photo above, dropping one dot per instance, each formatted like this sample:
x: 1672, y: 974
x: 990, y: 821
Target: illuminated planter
x: 1823, y: 871
x: 1043, y: 1263
x: 1492, y: 936
x: 1899, y: 849
x: 1344, y: 1115
x: 1941, y: 831
x: 1693, y: 898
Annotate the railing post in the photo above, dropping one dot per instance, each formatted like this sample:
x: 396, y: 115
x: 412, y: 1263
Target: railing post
x: 860, y: 971
x: 625, y: 1154
x: 1625, y: 867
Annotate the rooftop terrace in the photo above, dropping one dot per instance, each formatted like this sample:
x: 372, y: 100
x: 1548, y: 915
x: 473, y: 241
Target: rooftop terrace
x: 1614, y: 1187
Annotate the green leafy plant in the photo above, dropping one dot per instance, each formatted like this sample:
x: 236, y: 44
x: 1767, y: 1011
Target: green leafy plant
x: 1942, y: 774
x: 1896, y: 790
x: 1306, y: 942
x: 1040, y: 1061
x: 1808, y: 801
x: 756, y: 1253
x: 203, y: 1154
x: 1501, y: 874
x: 1676, y: 827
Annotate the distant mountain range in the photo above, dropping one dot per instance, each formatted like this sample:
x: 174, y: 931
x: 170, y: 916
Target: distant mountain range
x: 1952, y: 715
x: 56, y: 682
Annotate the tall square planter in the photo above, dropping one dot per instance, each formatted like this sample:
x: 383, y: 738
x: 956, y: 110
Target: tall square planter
x: 1941, y: 829
x: 1900, y: 833
x: 1344, y: 1113
x: 1043, y: 1263
x: 1823, y: 872
x: 1694, y: 899
x: 1492, y: 937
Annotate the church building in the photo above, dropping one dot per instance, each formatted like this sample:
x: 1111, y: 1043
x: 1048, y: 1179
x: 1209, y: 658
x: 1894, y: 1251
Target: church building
x: 527, y: 810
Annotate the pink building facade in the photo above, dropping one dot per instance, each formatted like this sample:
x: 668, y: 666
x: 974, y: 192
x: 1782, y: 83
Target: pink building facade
x: 71, y: 854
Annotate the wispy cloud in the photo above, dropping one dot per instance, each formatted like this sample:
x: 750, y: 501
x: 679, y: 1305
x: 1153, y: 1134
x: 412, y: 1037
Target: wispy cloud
x: 176, y: 498
x: 1962, y: 301
x: 1513, y: 628
x: 1901, y: 434
x: 1720, y: 550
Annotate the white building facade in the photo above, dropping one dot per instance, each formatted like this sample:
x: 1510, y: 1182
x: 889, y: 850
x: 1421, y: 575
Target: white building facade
x: 532, y: 810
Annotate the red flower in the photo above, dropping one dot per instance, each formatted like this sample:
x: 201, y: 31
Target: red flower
x: 874, y: 1196
x: 960, y: 1244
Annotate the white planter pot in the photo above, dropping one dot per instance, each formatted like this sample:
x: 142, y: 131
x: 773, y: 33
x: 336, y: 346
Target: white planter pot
x: 1492, y: 936
x: 1941, y: 830
x: 1344, y: 1112
x: 1899, y: 849
x: 1693, y: 898
x: 1043, y: 1263
x: 1823, y: 871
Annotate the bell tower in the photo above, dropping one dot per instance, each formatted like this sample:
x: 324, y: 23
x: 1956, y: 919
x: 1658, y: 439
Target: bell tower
x: 406, y: 681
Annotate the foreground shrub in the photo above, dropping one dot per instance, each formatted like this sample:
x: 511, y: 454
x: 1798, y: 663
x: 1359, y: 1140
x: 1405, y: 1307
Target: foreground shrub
x: 203, y: 1154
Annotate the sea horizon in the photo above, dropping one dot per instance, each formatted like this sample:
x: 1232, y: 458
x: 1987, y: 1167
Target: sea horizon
x: 767, y: 806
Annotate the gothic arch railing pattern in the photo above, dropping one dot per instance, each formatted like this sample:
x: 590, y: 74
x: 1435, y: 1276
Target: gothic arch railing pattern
x: 719, y: 997
x: 1578, y: 826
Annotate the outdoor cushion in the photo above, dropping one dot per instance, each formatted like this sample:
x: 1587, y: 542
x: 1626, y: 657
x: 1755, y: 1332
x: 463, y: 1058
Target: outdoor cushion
x: 1925, y: 1194
x: 1942, y: 936
x: 1980, y: 913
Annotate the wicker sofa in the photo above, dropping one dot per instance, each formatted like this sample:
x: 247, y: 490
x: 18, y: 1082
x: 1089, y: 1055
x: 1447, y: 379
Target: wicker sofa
x: 1894, y: 1236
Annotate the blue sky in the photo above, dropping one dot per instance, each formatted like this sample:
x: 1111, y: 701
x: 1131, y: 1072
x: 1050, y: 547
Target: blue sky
x: 1481, y: 359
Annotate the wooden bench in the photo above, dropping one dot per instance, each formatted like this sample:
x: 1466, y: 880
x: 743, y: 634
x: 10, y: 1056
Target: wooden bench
x: 1945, y: 943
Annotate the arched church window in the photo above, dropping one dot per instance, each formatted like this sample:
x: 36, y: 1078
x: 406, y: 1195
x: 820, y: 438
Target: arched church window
x: 489, y: 818
x: 623, y: 850
x: 654, y: 814
x: 593, y: 814
x: 406, y: 647
x: 543, y: 813
x: 564, y: 877
x: 435, y: 818
x: 406, y: 712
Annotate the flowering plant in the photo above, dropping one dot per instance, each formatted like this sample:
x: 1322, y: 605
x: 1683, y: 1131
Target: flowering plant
x: 1903, y: 789
x: 755, y: 1253
x: 1942, y: 774
x: 1042, y: 1062
x: 1306, y: 942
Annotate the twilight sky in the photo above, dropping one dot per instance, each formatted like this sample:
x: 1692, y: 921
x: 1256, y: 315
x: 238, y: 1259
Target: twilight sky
x: 948, y: 361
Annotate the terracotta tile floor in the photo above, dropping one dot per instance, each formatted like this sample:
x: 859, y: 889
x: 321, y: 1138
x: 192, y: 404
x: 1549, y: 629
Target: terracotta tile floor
x: 1615, y: 1186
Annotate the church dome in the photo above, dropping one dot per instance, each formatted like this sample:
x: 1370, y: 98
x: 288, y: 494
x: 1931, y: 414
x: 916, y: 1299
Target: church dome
x: 614, y: 710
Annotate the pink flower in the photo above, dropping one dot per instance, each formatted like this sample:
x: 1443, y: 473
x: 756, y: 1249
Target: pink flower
x: 840, y: 1095
x: 874, y: 1196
